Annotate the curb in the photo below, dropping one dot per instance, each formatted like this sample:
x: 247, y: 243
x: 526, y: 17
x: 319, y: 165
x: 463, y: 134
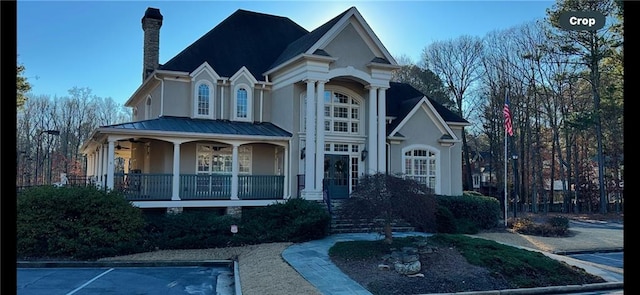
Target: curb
x: 590, y: 251
x: 544, y: 290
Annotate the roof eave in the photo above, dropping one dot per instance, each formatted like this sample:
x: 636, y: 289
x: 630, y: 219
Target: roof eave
x: 301, y: 56
x: 458, y: 123
x: 382, y: 66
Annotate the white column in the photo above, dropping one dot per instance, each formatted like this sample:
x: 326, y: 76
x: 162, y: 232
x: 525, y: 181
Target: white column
x: 89, y: 164
x: 100, y: 163
x: 110, y: 164
x: 261, y: 102
x: 320, y: 135
x: 222, y: 100
x: 103, y: 171
x: 235, y: 169
x: 286, y: 171
x: 96, y: 163
x: 382, y: 130
x: 310, y: 146
x: 175, y: 190
x: 372, y: 143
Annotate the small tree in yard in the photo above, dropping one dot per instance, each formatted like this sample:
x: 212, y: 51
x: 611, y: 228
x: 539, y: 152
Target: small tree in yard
x: 388, y: 198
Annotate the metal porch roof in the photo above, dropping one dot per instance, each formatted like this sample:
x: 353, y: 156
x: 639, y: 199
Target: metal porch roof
x: 190, y: 125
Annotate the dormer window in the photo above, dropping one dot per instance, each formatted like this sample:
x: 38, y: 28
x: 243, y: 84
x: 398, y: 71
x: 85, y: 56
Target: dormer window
x: 242, y: 103
x: 203, y: 100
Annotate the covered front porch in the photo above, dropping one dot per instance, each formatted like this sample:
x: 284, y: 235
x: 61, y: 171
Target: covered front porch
x: 187, y: 169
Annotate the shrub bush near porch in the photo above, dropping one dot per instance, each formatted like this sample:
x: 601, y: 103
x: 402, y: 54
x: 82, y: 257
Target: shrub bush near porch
x: 80, y: 223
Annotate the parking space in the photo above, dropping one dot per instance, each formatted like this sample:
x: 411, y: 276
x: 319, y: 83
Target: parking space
x: 126, y: 280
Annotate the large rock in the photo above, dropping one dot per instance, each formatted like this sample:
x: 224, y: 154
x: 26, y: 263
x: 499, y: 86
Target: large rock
x: 409, y: 268
x: 406, y: 262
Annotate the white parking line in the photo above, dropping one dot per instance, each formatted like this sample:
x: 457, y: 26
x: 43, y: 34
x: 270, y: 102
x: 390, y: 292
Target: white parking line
x: 90, y: 281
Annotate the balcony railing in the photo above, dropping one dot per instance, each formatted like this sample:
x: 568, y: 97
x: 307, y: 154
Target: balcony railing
x: 155, y: 187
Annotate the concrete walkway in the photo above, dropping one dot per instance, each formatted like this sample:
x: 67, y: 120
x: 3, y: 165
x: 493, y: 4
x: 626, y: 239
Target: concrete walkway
x: 311, y: 260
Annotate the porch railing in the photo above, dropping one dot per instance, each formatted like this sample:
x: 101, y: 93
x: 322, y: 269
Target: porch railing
x: 253, y: 187
x: 154, y: 187
x: 205, y: 186
x: 144, y: 187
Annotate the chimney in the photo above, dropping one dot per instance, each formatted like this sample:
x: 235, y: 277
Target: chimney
x: 151, y: 23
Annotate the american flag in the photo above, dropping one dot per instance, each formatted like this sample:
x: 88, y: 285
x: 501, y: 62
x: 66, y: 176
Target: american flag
x: 507, y: 117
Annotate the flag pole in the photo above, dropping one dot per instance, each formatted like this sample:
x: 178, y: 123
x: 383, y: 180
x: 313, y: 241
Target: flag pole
x: 505, y: 176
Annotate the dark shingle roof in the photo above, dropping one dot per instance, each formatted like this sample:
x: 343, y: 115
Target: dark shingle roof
x: 305, y: 42
x: 401, y: 98
x: 189, y: 125
x: 262, y: 37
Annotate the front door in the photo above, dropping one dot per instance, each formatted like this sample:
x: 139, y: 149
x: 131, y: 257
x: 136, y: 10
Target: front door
x: 336, y: 175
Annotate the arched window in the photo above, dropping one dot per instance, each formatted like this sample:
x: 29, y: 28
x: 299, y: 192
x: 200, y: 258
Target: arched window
x: 242, y: 103
x: 421, y: 164
x: 203, y: 100
x: 342, y: 113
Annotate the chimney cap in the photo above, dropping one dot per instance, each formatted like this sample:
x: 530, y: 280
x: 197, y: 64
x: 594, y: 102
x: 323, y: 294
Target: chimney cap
x: 153, y: 13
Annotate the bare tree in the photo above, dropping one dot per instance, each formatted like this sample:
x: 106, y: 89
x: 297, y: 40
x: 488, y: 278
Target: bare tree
x: 457, y: 63
x: 50, y: 131
x: 424, y: 80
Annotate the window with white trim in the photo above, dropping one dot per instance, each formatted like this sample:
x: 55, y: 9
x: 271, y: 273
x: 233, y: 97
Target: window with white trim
x: 243, y: 103
x: 342, y: 113
x: 219, y: 159
x: 420, y: 165
x: 202, y: 101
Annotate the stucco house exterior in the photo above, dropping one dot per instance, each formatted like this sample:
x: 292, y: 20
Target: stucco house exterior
x: 260, y: 110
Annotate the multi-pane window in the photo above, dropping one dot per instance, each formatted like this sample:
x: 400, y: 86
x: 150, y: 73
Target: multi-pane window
x: 420, y: 164
x: 338, y: 147
x: 354, y: 173
x: 203, y: 100
x: 217, y: 159
x: 344, y: 113
x: 242, y: 103
x: 341, y: 113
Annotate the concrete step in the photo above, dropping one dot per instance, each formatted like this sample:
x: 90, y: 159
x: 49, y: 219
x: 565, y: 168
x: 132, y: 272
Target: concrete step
x: 363, y: 226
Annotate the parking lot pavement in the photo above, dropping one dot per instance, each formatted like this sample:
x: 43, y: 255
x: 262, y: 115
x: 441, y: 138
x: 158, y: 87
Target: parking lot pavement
x: 614, y: 259
x: 126, y: 280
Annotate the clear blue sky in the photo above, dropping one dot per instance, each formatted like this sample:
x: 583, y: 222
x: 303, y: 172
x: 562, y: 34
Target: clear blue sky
x: 98, y: 44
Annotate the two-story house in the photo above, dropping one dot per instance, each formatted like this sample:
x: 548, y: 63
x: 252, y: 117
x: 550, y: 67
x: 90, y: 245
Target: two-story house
x: 260, y: 110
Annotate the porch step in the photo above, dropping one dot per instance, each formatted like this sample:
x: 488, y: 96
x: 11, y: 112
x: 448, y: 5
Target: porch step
x: 341, y: 224
x: 345, y: 225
